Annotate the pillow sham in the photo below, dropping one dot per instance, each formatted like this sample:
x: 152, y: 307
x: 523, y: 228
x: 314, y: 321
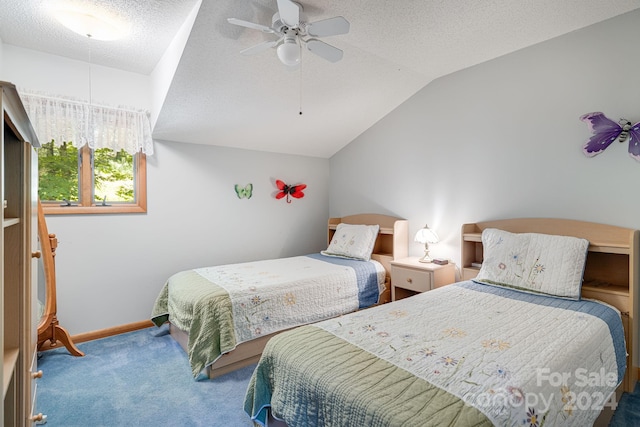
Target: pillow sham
x: 532, y: 262
x: 354, y: 241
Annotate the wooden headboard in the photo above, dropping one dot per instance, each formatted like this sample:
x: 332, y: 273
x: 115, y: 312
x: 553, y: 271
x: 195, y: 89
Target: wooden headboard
x: 392, y: 242
x: 611, y: 272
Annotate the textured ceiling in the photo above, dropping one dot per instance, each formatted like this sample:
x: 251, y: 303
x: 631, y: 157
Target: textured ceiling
x: 29, y: 24
x: 220, y: 97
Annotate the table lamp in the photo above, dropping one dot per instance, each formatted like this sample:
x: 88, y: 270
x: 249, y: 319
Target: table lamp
x: 426, y: 235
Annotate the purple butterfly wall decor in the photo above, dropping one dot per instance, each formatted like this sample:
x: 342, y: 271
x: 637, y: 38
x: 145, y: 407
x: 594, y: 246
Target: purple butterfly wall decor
x: 605, y: 131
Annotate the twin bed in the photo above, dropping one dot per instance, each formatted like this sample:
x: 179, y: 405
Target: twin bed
x: 223, y: 316
x: 518, y: 342
x: 519, y: 345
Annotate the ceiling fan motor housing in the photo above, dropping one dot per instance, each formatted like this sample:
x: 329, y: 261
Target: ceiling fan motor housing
x: 279, y: 26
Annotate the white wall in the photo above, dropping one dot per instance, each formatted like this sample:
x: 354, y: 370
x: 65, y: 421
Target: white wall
x: 38, y: 71
x: 1, y: 55
x: 163, y: 73
x: 110, y: 268
x: 503, y: 139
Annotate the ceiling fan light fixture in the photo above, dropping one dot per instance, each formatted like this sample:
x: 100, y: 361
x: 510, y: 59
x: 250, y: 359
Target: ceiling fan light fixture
x: 289, y: 52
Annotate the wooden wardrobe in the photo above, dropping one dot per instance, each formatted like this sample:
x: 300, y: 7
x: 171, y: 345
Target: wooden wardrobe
x: 18, y: 260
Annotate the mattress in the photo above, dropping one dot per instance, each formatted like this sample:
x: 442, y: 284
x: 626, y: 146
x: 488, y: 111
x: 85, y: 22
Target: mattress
x: 465, y: 354
x: 223, y: 306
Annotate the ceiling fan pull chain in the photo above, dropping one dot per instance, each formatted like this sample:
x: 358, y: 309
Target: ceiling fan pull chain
x: 300, y: 45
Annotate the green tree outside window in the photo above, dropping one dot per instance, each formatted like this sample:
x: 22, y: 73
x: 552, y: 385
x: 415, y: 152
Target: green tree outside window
x: 58, y: 172
x: 85, y: 178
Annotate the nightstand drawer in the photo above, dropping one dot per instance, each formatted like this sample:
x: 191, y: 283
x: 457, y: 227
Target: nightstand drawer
x: 413, y: 280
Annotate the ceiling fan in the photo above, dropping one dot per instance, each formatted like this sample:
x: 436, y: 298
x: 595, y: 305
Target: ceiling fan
x: 290, y: 26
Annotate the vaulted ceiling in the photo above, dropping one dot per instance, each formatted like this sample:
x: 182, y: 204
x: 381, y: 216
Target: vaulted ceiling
x: 220, y: 97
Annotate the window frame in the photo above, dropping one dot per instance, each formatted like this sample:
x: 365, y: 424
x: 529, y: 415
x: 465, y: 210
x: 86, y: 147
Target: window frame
x: 86, y: 191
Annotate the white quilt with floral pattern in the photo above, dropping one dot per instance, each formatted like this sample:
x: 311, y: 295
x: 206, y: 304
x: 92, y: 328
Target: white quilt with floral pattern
x: 269, y: 296
x: 521, y: 359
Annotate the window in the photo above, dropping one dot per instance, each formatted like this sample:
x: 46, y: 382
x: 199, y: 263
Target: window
x: 103, y: 168
x: 86, y: 181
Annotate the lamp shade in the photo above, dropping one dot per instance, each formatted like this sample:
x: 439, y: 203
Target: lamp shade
x: 426, y: 235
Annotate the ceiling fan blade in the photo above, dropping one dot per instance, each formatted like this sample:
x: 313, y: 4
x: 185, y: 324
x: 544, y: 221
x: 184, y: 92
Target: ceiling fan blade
x: 259, y: 47
x: 289, y: 13
x: 326, y: 51
x: 251, y: 25
x: 328, y: 27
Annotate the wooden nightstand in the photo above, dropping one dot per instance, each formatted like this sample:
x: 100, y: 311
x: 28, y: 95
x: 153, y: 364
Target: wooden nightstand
x: 409, y: 277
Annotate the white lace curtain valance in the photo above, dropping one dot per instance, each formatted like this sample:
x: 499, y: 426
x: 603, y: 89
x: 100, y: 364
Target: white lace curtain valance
x: 78, y: 122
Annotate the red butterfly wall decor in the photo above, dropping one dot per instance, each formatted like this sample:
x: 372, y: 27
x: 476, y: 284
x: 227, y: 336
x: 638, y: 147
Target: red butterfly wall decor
x: 289, y: 190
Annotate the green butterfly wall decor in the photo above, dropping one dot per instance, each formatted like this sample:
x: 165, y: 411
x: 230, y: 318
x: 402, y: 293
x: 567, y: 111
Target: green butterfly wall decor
x: 244, y: 192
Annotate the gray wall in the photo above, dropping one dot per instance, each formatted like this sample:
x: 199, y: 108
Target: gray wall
x: 503, y: 139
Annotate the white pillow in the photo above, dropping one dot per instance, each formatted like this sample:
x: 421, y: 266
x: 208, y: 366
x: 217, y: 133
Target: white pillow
x: 531, y: 262
x: 353, y: 241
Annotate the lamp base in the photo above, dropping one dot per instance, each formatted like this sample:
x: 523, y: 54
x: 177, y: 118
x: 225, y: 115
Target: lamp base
x: 426, y: 258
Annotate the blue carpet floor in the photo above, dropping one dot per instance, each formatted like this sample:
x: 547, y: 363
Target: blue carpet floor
x: 143, y: 378
x: 628, y: 411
